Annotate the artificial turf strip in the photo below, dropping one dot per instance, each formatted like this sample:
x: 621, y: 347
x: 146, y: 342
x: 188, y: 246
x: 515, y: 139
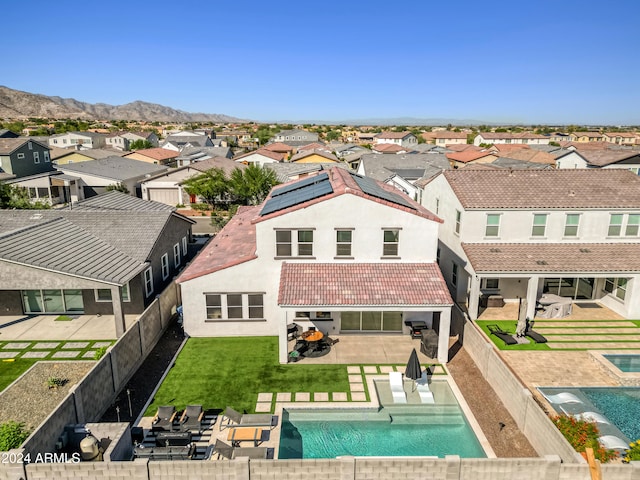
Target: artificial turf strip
x: 221, y: 372
x: 11, y: 369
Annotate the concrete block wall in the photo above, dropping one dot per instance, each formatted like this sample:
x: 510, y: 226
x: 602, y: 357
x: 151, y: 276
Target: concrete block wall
x: 547, y: 468
x: 326, y: 469
x: 513, y: 393
x: 44, y: 438
x: 169, y: 300
x: 544, y: 436
x: 11, y: 468
x: 406, y: 468
x: 118, y: 438
x: 127, y: 355
x: 190, y: 470
x: 136, y: 470
x: 151, y: 327
x: 96, y: 391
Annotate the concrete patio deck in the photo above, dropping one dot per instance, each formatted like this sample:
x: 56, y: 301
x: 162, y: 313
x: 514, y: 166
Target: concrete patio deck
x: 584, y: 311
x: 45, y: 327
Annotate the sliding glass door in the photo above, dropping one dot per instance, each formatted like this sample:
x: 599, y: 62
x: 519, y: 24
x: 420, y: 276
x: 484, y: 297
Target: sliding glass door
x: 371, y: 321
x: 52, y: 301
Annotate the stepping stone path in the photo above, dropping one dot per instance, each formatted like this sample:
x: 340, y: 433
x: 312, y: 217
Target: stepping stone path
x: 34, y: 354
x: 66, y: 354
x: 75, y: 345
x: 46, y: 345
x: 16, y: 346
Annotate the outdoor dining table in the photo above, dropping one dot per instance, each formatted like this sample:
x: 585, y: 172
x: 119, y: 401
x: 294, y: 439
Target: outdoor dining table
x: 241, y: 434
x: 312, y: 336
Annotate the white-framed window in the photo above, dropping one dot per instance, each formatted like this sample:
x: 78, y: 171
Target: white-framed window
x: 291, y: 243
x: 454, y: 274
x: 36, y: 157
x: 283, y: 243
x: 176, y: 255
x: 490, y: 284
x: 305, y: 243
x: 30, y: 145
x: 633, y: 222
x: 572, y: 222
x: 539, y: 227
x: 21, y: 155
x: 458, y: 221
x: 104, y: 294
x: 47, y: 158
x: 616, y: 287
x: 343, y: 243
x: 234, y: 306
x: 148, y: 281
x: 615, y: 225
x: 492, y: 228
x: 390, y: 242
x: 184, y: 246
x: 164, y: 263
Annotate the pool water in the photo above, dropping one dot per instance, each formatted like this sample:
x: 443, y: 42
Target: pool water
x: 625, y: 362
x: 400, y: 430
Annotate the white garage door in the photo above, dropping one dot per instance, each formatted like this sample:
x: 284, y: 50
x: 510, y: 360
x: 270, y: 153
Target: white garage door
x: 168, y: 196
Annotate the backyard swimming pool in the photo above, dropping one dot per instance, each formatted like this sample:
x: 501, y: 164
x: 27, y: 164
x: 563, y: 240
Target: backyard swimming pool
x: 625, y: 362
x: 407, y: 430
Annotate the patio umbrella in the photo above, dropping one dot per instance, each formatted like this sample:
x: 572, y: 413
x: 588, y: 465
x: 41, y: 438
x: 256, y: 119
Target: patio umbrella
x: 521, y: 327
x: 413, y: 370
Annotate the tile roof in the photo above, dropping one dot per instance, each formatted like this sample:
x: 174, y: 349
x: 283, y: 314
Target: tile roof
x: 278, y: 147
x: 393, y: 135
x: 530, y: 155
x: 601, y: 158
x: 362, y: 284
x: 553, y: 188
x: 388, y: 147
x: 382, y: 166
x: 310, y: 153
x: 114, y: 168
x: 463, y: 147
x: 588, y: 145
x: 118, y: 201
x: 468, y: 155
x: 234, y: 244
x: 588, y: 134
x: 273, y: 155
x: 498, y: 136
x: 226, y: 164
x: 445, y: 134
x: 157, y: 153
x: 553, y: 257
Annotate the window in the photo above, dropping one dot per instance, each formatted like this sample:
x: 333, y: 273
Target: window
x: 454, y: 274
x: 30, y: 145
x: 343, y: 243
x: 47, y: 159
x: 176, y: 255
x: 539, y: 225
x: 305, y: 243
x: 390, y: 243
x: 458, y: 221
x: 104, y: 294
x: 437, y: 206
x: 283, y: 243
x: 615, y: 224
x: 571, y: 225
x: 493, y: 225
x: 616, y: 286
x: 234, y: 305
x: 621, y: 291
x: 214, y: 306
x: 490, y: 284
x: 148, y: 281
x: 21, y: 155
x: 256, y: 307
x: 184, y: 246
x: 164, y: 263
x: 36, y: 157
x: 632, y: 225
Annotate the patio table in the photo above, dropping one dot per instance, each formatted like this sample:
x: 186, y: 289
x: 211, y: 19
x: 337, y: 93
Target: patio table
x: 241, y: 434
x: 312, y: 336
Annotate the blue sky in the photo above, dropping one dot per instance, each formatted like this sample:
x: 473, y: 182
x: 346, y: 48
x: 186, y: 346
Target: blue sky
x: 510, y: 61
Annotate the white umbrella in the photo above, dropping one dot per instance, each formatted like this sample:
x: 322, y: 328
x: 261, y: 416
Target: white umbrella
x: 521, y: 327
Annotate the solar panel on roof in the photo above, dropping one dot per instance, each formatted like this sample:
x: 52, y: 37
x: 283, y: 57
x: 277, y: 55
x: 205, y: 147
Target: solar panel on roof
x: 300, y: 184
x: 296, y: 196
x: 369, y: 186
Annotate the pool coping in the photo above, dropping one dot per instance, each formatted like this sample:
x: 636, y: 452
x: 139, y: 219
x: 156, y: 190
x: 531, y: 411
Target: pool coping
x: 628, y: 379
x: 374, y: 403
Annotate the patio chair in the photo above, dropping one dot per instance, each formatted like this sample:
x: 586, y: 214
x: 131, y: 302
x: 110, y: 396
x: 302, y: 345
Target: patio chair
x: 232, y: 416
x: 191, y: 418
x: 164, y: 417
x: 422, y: 385
x: 227, y: 451
x: 503, y: 335
x: 397, y: 387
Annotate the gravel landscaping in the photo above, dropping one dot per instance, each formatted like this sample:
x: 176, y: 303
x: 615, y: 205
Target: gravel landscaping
x: 30, y: 400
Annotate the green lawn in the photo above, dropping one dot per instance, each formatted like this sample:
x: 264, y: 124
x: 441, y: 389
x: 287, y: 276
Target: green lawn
x: 216, y: 372
x: 510, y: 327
x: 11, y: 369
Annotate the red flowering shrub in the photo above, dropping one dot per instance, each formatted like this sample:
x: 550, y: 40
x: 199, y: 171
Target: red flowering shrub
x: 582, y: 434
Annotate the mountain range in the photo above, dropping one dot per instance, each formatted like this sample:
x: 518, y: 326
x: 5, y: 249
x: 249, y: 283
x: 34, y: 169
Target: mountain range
x: 16, y: 104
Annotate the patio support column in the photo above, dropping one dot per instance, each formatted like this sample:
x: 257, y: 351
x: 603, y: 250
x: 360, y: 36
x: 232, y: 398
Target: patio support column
x: 532, y: 296
x: 474, y: 297
x: 118, y: 314
x: 283, y: 346
x: 443, y: 335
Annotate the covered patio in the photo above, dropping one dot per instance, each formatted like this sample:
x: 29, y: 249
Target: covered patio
x: 46, y: 327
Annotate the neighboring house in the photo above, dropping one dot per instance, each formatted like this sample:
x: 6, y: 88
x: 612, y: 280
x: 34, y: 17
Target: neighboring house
x: 404, y: 139
x: 343, y: 150
x: 122, y: 140
x: 52, y: 187
x: 626, y: 159
x: 189, y: 155
x: 531, y: 155
x: 292, y: 259
x: 513, y: 163
x: 586, y: 137
x: 559, y: 137
x: 110, y: 255
x: 366, y: 137
x: 182, y: 140
x: 621, y: 138
x: 286, y: 172
x: 21, y: 157
x: 524, y: 137
x: 460, y: 159
x: 161, y: 156
x: 389, y: 148
x: 280, y: 147
x: 96, y: 175
x: 294, y: 137
x: 63, y: 156
x: 167, y: 187
x: 314, y: 156
x: 444, y: 138
x: 78, y: 140
x: 588, y: 145
x: 4, y: 133
x: 522, y: 233
x: 260, y: 157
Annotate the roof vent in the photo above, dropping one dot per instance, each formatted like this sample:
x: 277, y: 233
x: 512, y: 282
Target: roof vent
x: 585, y: 250
x: 495, y: 250
x: 541, y: 262
x: 572, y: 193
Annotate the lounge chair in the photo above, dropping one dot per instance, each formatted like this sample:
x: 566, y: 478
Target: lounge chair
x: 613, y: 443
x: 397, y: 387
x: 422, y: 385
x: 191, y: 418
x: 535, y: 336
x: 227, y: 451
x: 164, y: 417
x: 592, y: 417
x: 503, y: 335
x: 247, y: 420
x: 563, y: 397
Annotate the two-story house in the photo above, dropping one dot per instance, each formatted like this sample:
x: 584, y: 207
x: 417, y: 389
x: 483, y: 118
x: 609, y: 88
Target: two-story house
x: 445, y: 137
x: 78, y: 140
x: 295, y: 137
x: 294, y: 259
x: 507, y: 137
x: 522, y: 233
x: 122, y: 140
x: 22, y: 157
x: 404, y: 139
x: 600, y: 158
x: 620, y: 138
x: 586, y: 137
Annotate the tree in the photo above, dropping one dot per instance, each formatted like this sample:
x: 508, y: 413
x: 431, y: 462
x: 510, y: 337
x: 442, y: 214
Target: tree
x: 211, y: 186
x: 253, y: 184
x: 117, y: 187
x: 140, y: 144
x: 17, y: 197
x: 332, y: 135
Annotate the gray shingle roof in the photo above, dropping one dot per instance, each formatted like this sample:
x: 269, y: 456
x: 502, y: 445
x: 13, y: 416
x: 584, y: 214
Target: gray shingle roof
x: 381, y: 166
x: 121, y: 202
x: 115, y: 168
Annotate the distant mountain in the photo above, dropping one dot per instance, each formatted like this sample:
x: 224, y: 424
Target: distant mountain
x: 409, y: 121
x: 16, y: 104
